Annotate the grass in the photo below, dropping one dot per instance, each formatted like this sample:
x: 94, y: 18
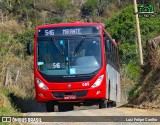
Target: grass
x: 135, y: 90
x: 6, y: 107
x: 147, y: 93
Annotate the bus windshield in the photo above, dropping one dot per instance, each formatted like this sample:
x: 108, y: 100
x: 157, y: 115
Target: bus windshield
x: 68, y: 55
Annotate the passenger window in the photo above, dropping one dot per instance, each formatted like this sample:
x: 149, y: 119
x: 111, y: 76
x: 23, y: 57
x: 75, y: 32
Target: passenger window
x: 112, y: 56
x: 116, y: 59
x: 108, y: 47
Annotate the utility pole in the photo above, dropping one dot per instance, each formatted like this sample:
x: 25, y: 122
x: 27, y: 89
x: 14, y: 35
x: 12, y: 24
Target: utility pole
x: 138, y: 33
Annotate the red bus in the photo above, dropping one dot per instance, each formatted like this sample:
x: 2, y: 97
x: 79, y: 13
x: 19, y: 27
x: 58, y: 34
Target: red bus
x: 75, y: 64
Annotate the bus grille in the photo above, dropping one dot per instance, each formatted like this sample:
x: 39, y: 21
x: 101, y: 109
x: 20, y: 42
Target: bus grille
x: 77, y: 93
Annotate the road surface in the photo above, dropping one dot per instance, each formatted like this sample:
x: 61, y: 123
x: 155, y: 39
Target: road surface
x: 94, y: 111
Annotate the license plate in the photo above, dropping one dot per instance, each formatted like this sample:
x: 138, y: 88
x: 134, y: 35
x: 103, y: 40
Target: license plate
x: 66, y: 97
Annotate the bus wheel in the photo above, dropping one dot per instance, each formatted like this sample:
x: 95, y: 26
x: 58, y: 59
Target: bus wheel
x: 65, y: 107
x: 111, y: 104
x: 114, y: 104
x: 50, y: 106
x: 103, y: 104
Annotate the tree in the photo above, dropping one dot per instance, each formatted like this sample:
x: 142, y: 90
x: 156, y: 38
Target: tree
x: 61, y: 6
x: 94, y: 7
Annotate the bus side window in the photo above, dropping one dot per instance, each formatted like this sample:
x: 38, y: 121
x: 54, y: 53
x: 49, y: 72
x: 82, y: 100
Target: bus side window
x: 117, y: 59
x: 112, y: 54
x: 107, y: 49
x: 105, y: 44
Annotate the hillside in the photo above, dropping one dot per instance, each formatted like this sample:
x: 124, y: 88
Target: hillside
x: 147, y: 92
x: 122, y: 27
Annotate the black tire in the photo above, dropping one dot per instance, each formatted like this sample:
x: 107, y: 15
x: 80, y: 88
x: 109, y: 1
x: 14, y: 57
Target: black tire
x: 109, y: 104
x: 114, y: 104
x: 65, y: 107
x: 61, y: 107
x: 70, y: 107
x: 50, y: 106
x: 103, y: 104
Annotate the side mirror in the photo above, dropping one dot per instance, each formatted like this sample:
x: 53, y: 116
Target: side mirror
x: 29, y: 48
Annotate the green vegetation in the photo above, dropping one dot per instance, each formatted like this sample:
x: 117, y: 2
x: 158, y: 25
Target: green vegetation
x: 134, y: 91
x: 95, y: 7
x: 122, y: 27
x: 5, y: 105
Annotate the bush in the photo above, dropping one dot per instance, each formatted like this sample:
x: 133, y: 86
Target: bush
x: 11, y: 27
x: 25, y: 37
x: 94, y: 7
x: 56, y: 20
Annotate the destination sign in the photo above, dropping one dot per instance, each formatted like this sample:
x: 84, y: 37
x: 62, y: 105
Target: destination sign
x: 66, y: 31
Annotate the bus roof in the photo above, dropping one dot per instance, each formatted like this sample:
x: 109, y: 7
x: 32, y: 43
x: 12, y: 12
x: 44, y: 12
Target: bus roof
x: 77, y: 23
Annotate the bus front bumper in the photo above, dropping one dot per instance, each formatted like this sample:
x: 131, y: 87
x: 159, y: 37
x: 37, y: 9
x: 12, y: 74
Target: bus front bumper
x: 78, y: 95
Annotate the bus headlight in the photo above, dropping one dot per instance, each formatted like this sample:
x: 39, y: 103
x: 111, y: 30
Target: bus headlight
x: 98, y: 82
x: 41, y: 84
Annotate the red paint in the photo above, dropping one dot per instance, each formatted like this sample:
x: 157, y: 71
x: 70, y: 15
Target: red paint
x: 76, y: 86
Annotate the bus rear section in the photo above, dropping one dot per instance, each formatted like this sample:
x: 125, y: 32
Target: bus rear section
x: 69, y: 65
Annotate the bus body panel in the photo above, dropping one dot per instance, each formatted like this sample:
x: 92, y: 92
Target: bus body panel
x: 76, y: 87
x: 113, y: 80
x: 91, y: 94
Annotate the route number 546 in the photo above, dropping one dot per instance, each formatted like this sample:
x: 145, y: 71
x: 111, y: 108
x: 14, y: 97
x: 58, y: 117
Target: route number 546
x: 49, y: 32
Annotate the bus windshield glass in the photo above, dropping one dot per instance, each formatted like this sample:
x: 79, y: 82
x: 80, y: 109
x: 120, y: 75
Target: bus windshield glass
x: 71, y: 55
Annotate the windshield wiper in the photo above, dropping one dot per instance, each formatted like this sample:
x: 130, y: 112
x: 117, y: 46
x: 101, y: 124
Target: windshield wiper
x: 58, y: 47
x: 79, y: 45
